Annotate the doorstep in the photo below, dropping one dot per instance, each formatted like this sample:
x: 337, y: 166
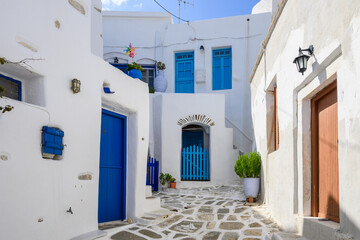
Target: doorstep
x: 313, y: 228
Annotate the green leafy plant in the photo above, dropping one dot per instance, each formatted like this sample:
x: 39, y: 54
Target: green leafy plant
x: 248, y: 166
x: 165, y: 178
x: 160, y: 66
x: 152, y: 90
x: 172, y: 180
x: 134, y: 65
x: 6, y: 108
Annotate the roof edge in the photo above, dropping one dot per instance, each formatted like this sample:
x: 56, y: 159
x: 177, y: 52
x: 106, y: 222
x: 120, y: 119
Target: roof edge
x: 267, y: 37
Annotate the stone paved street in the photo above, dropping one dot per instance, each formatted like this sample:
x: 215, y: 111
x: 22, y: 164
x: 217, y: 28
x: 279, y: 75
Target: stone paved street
x: 207, y: 213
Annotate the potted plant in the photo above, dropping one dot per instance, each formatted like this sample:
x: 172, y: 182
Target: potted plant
x: 248, y: 167
x: 172, y: 183
x: 134, y: 69
x: 165, y: 179
x: 160, y: 82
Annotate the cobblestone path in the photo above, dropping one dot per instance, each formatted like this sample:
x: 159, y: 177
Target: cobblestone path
x: 208, y: 213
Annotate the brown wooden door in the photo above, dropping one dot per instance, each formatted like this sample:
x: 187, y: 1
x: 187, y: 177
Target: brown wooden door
x: 325, y: 186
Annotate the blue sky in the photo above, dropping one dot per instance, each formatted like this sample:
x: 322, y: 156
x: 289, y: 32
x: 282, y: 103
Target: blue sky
x: 202, y: 9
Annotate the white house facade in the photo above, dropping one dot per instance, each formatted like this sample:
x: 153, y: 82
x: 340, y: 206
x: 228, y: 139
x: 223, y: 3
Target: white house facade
x: 203, y: 58
x: 307, y: 126
x: 55, y: 144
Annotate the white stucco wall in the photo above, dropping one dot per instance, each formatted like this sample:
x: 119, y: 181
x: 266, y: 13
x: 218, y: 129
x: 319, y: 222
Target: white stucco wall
x: 33, y: 187
x: 157, y: 39
x: 334, y: 30
x: 173, y: 107
x: 142, y: 29
x: 265, y: 6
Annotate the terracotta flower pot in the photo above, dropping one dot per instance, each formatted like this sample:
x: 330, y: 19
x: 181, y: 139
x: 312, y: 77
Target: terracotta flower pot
x: 172, y: 184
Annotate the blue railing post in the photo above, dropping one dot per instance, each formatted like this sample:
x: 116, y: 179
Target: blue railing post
x: 152, y: 173
x: 156, y: 176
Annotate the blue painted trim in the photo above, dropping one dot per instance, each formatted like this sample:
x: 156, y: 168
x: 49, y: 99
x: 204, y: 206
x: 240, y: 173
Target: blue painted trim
x: 123, y: 66
x: 108, y: 91
x: 117, y: 115
x: 15, y: 81
x: 120, y: 66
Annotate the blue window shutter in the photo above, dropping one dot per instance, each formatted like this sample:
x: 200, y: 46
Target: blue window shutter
x: 52, y: 141
x: 222, y: 69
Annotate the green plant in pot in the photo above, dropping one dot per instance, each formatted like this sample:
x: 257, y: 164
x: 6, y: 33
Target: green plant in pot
x: 134, y: 70
x: 172, y: 183
x: 249, y: 167
x: 165, y: 179
x: 160, y: 82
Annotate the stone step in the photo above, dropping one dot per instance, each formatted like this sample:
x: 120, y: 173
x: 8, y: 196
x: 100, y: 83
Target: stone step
x: 152, y: 204
x: 283, y: 236
x: 154, y: 217
x: 319, y: 229
x: 148, y: 192
x: 90, y: 235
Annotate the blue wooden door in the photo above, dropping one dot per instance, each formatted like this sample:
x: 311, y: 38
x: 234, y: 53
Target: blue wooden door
x: 222, y: 69
x: 184, y: 72
x: 112, y: 180
x: 190, y: 138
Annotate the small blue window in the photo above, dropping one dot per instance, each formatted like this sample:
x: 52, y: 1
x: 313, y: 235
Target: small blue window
x: 52, y: 143
x: 12, y: 87
x: 222, y: 69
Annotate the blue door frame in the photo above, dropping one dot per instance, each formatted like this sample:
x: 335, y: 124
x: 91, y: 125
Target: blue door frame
x: 184, y: 72
x: 112, y: 177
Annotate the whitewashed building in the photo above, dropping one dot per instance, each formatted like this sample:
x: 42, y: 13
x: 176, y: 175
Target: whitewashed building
x: 54, y: 142
x: 307, y: 126
x: 207, y: 66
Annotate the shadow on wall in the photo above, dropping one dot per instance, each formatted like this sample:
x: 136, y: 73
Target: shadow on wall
x: 322, y: 228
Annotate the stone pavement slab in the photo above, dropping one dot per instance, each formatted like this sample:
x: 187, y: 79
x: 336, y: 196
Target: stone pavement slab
x: 209, y: 213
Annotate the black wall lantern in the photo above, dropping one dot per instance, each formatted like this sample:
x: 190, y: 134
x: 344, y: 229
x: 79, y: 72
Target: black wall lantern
x: 116, y: 60
x: 301, y: 60
x: 202, y: 48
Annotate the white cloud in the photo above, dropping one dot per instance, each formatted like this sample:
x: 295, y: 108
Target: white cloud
x: 119, y: 2
x: 116, y: 2
x: 138, y: 5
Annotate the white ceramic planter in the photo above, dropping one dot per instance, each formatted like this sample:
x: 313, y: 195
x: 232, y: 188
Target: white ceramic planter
x: 251, y: 187
x: 160, y: 82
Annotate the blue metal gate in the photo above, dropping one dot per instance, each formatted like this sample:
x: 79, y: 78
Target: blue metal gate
x: 195, y: 163
x: 112, y: 180
x: 152, y: 174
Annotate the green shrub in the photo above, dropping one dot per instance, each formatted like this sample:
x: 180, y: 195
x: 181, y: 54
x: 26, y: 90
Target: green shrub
x: 160, y: 66
x: 165, y: 178
x: 134, y: 65
x: 152, y: 90
x: 248, y: 166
